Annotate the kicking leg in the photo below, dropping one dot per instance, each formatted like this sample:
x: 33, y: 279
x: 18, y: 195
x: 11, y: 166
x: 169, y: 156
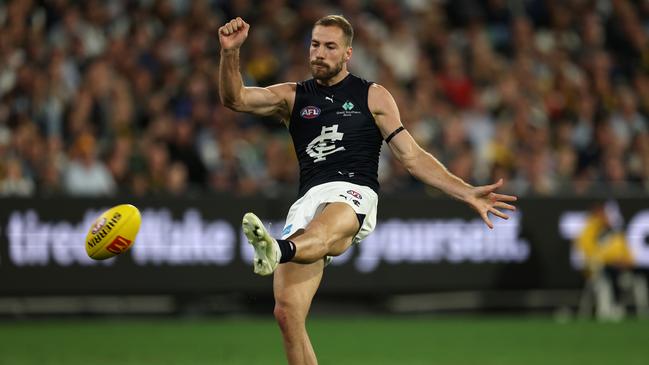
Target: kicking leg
x: 330, y: 233
x: 294, y: 286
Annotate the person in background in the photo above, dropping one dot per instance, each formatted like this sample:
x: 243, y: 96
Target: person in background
x: 608, y: 264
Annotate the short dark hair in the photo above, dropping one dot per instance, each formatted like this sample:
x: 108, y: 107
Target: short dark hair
x: 340, y: 22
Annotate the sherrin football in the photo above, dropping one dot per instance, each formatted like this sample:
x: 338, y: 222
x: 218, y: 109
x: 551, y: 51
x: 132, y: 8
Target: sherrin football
x: 113, y: 232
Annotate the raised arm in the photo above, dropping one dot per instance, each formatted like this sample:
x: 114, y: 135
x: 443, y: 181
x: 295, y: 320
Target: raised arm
x: 427, y: 168
x: 276, y: 100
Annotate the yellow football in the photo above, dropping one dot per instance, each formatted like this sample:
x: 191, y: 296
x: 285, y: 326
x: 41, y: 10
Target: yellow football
x: 113, y: 232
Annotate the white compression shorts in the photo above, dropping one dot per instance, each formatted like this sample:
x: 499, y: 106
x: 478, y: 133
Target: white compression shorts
x: 362, y: 199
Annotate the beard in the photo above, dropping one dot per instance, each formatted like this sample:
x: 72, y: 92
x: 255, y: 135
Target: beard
x: 325, y: 72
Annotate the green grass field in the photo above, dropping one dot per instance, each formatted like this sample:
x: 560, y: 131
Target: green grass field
x: 337, y: 340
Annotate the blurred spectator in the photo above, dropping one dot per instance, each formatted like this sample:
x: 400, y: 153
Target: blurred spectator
x: 626, y: 121
x: 455, y: 83
x: 85, y: 174
x: 14, y: 182
x: 177, y: 181
x: 181, y: 148
x: 51, y: 168
x: 157, y: 163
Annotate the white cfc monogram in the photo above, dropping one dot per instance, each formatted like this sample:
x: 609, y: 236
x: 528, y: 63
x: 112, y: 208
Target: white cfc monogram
x: 325, y: 144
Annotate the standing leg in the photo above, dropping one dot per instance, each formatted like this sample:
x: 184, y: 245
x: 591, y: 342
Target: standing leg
x: 294, y: 286
x: 295, y: 283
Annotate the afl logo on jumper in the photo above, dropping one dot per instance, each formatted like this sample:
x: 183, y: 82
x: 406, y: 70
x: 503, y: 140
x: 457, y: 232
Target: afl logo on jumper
x: 325, y: 144
x: 310, y: 112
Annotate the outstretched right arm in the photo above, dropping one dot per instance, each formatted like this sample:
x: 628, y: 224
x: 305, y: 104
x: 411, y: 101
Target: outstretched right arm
x: 274, y: 100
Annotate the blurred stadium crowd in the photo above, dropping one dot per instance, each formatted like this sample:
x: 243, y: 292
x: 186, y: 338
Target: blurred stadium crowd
x: 110, y: 97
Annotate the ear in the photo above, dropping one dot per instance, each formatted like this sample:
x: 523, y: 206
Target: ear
x: 348, y: 54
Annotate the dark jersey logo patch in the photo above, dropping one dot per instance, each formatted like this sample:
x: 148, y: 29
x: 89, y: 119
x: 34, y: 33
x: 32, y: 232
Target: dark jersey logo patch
x: 310, y: 112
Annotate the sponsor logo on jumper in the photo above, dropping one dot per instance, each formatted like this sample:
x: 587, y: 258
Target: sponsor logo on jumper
x: 310, y: 112
x: 356, y: 202
x: 325, y: 144
x: 355, y: 194
x: 347, y: 111
x: 329, y: 98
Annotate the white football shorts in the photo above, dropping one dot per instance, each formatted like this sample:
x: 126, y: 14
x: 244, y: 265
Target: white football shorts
x: 362, y: 199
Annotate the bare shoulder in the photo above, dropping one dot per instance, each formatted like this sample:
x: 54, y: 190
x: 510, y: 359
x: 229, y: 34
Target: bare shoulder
x: 379, y: 99
x: 378, y: 91
x: 283, y: 90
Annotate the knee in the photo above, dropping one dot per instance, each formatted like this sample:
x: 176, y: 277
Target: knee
x: 281, y: 316
x: 288, y: 316
x: 285, y: 317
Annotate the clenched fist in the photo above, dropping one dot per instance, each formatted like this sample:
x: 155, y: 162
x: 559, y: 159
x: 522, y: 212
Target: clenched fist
x: 233, y: 34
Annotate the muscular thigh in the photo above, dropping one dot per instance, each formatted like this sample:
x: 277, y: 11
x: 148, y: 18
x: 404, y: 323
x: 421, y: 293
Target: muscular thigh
x: 340, y: 225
